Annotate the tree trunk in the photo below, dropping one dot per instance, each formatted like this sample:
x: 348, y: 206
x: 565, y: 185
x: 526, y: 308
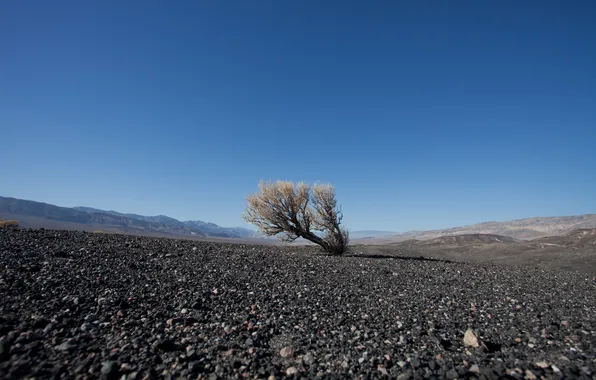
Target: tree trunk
x: 315, y: 239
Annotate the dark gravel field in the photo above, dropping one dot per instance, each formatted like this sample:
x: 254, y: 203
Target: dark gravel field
x: 82, y: 305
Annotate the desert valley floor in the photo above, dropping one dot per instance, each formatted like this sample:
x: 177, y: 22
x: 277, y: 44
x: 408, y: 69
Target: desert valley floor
x: 84, y: 305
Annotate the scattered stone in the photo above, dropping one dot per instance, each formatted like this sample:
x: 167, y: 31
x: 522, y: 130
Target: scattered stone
x: 109, y: 370
x: 530, y: 375
x: 66, y: 346
x: 308, y: 359
x: 343, y: 317
x: 286, y: 352
x: 125, y: 367
x: 86, y: 326
x: 470, y: 339
x: 174, y: 321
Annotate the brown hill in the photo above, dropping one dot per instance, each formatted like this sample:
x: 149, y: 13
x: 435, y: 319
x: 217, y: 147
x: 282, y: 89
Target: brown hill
x: 468, y: 239
x: 581, y: 238
x: 521, y: 229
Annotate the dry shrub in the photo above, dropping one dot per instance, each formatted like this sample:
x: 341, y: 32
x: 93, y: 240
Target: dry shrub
x: 9, y: 224
x: 295, y: 210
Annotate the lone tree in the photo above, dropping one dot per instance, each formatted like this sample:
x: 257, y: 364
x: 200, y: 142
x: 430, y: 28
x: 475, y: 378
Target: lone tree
x: 295, y: 210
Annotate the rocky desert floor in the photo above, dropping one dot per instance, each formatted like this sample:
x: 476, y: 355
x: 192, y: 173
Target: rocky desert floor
x: 84, y: 305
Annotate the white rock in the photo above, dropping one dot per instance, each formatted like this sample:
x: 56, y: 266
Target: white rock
x: 286, y: 352
x: 470, y: 339
x: 291, y: 371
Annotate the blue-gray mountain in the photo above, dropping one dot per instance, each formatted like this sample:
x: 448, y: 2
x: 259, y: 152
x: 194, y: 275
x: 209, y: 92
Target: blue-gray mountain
x: 34, y: 213
x: 210, y: 229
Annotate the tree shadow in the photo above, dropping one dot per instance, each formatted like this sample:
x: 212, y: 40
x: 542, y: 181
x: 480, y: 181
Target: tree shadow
x: 393, y: 257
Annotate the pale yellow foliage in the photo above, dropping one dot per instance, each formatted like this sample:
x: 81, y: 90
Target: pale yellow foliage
x: 292, y: 210
x: 8, y: 223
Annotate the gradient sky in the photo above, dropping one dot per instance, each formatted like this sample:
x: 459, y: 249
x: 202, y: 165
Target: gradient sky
x: 423, y: 114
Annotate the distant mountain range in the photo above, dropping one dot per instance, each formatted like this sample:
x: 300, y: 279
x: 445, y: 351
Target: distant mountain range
x: 521, y: 229
x: 38, y: 214
x: 210, y: 229
x: 370, y: 234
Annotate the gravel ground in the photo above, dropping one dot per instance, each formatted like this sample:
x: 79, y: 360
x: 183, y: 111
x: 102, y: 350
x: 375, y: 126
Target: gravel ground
x: 82, y: 305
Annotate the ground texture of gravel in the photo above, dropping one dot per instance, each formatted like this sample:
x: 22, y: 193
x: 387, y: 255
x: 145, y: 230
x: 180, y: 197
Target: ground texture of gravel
x: 81, y: 305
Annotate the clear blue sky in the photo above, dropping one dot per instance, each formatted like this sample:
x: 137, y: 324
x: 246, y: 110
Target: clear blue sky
x: 423, y: 114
